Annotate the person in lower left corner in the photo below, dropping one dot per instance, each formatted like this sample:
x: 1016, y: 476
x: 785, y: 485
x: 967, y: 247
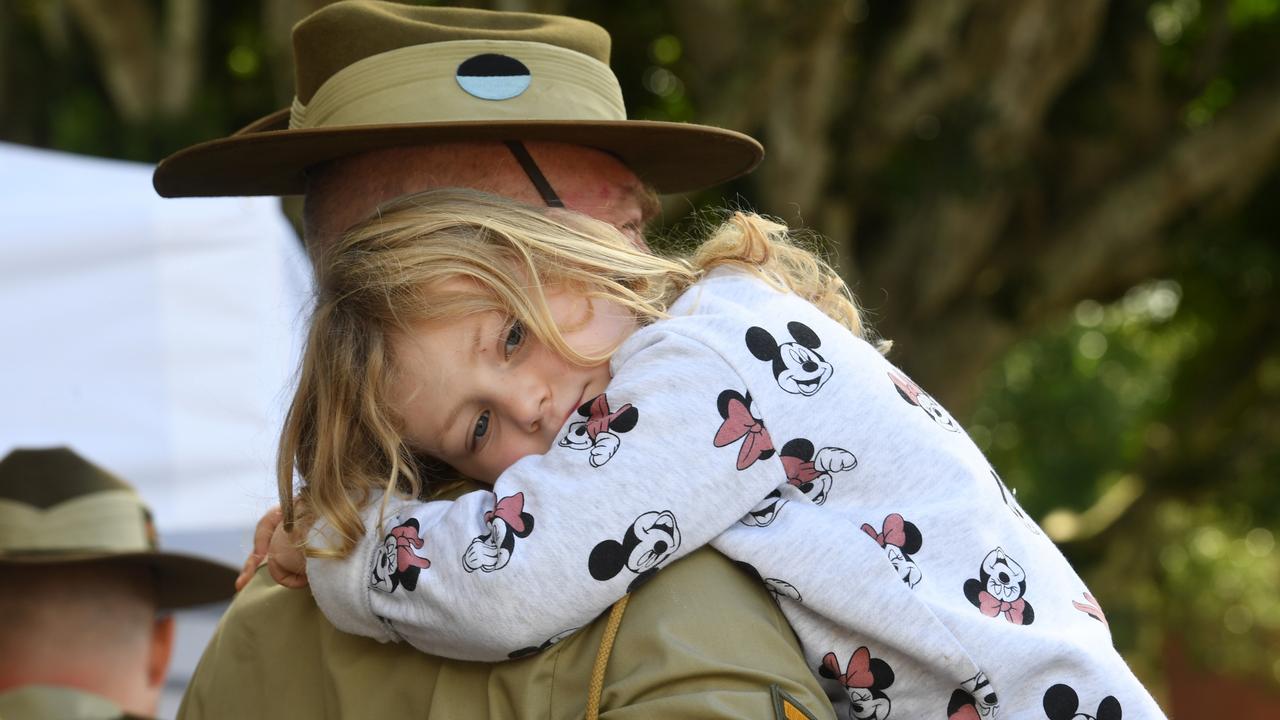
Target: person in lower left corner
x: 85, y: 591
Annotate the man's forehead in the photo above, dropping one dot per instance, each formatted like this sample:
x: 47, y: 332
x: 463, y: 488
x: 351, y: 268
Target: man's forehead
x: 345, y: 191
x: 479, y: 165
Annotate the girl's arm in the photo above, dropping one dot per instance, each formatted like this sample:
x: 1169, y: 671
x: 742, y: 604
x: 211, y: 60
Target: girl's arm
x: 669, y: 457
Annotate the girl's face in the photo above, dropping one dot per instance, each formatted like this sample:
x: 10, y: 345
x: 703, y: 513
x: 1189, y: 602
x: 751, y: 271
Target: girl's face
x: 480, y: 392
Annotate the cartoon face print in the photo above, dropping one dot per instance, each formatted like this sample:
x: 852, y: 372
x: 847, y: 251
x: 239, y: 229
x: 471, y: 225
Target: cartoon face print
x: 764, y: 513
x: 923, y: 400
x: 598, y: 433
x: 777, y: 587
x: 395, y: 564
x: 797, y: 366
x: 650, y: 539
x: 531, y: 650
x: 507, y: 521
x: 864, y: 681
x: 742, y: 422
x: 812, y: 472
x: 1061, y: 703
x: 782, y: 589
x: 973, y: 700
x: 999, y: 589
x: 1011, y: 501
x: 900, y: 540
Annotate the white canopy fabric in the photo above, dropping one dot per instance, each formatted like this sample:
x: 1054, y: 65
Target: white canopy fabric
x: 156, y: 337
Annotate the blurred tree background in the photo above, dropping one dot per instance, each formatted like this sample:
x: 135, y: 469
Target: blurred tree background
x: 1063, y: 213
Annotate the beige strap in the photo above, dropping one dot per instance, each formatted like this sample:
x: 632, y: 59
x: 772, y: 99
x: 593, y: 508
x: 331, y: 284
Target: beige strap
x: 419, y: 84
x: 596, y: 689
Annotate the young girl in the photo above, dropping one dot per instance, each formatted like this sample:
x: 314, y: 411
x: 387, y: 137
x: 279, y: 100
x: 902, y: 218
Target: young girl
x: 627, y: 409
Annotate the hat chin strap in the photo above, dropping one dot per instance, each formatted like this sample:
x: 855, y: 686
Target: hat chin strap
x: 531, y: 169
x: 421, y: 84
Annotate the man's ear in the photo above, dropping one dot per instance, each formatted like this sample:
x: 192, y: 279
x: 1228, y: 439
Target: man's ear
x: 162, y: 634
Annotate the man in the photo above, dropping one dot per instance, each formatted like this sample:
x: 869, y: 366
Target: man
x: 82, y: 592
x: 393, y: 100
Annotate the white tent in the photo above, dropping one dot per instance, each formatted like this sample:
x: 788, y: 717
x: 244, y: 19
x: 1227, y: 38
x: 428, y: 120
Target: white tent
x: 156, y: 337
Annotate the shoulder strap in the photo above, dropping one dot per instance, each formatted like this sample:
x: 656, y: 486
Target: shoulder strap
x: 596, y: 689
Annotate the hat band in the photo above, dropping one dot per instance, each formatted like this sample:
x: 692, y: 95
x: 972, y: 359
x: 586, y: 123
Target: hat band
x: 107, y: 521
x: 427, y: 84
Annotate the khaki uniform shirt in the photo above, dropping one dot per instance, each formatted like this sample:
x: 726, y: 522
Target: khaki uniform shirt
x: 701, y: 640
x: 49, y: 702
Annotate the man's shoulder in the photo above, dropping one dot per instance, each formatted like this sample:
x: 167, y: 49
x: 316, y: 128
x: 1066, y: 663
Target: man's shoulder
x: 39, y: 702
x: 720, y: 584
x: 704, y: 638
x: 275, y: 654
x: 274, y: 647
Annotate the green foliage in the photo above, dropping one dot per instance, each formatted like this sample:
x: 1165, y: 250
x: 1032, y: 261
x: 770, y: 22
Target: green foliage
x: 1219, y: 577
x: 1086, y: 397
x: 58, y: 96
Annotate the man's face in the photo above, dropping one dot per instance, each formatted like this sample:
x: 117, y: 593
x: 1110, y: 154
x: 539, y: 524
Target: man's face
x: 588, y: 181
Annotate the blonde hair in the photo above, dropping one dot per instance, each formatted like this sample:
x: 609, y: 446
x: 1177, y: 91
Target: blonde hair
x: 401, y: 268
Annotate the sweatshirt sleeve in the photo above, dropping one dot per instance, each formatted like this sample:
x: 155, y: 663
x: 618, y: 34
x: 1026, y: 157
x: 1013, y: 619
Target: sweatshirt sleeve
x: 662, y: 462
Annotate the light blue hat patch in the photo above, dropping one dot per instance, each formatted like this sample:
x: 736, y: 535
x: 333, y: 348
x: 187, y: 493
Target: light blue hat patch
x: 493, y: 77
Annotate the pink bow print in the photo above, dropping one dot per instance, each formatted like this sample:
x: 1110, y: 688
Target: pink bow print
x: 738, y: 425
x: 857, y: 673
x: 1091, y: 608
x: 510, y: 509
x: 892, y: 532
x: 406, y: 540
x: 798, y: 471
x: 992, y: 607
x: 909, y: 390
x: 600, y: 417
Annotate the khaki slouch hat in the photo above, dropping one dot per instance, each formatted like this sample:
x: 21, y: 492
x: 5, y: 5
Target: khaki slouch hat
x: 58, y: 508
x: 373, y: 75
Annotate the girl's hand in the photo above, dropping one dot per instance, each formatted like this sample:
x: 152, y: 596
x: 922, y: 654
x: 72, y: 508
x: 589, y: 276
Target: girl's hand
x: 285, y: 561
x: 261, y: 539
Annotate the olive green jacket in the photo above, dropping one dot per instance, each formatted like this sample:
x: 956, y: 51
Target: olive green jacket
x: 701, y: 640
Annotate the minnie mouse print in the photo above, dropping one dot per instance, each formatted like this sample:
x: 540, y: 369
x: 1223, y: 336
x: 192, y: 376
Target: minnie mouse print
x: 864, y: 681
x: 811, y: 472
x: 507, y: 521
x: 1000, y: 589
x: 900, y: 540
x: 598, y: 433
x: 741, y: 422
x: 923, y: 400
x: 395, y: 564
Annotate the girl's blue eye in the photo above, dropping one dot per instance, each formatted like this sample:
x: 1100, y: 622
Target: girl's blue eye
x: 515, y: 336
x: 482, y: 426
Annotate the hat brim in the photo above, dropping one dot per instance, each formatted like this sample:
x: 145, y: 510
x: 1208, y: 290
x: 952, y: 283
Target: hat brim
x: 181, y: 580
x: 267, y: 158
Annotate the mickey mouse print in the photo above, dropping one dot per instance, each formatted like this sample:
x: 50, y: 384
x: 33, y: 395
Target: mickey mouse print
x: 797, y: 366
